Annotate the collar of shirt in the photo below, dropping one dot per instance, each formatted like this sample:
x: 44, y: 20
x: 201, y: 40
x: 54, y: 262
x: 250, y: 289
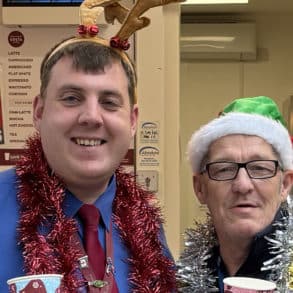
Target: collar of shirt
x: 71, y: 204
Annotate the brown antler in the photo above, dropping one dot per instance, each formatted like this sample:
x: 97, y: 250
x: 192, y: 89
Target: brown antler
x: 115, y: 10
x: 131, y: 20
x: 89, y: 15
x: 134, y: 22
x: 112, y: 9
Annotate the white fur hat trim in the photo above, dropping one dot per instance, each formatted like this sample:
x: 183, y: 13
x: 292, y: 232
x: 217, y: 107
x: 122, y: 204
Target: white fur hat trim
x: 240, y: 123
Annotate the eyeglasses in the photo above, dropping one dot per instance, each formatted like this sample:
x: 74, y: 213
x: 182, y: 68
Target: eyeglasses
x: 256, y: 169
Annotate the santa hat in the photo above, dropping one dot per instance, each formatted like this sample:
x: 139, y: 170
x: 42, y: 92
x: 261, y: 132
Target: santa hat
x: 258, y: 116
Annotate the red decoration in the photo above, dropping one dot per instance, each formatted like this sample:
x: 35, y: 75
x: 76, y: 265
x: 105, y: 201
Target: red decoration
x: 93, y: 30
x: 116, y: 42
x: 83, y: 30
x: 41, y: 194
x: 125, y: 45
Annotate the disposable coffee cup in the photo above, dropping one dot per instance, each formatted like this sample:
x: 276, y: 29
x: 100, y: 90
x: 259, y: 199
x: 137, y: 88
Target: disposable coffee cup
x: 45, y: 283
x: 248, y: 285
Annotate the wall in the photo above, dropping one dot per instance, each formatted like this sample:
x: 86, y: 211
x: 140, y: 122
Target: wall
x: 206, y: 87
x: 158, y: 91
x: 157, y: 58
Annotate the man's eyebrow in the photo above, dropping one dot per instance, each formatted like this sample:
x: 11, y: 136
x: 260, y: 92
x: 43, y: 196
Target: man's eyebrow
x: 108, y: 92
x: 70, y: 87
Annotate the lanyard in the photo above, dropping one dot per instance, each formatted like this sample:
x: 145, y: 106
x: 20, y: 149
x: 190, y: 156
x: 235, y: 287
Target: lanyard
x: 107, y: 285
x: 220, y: 276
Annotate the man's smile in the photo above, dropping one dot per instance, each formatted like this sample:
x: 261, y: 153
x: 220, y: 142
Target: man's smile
x: 88, y: 141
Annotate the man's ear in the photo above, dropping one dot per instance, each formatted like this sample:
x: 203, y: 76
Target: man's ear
x: 198, y: 188
x: 286, y: 184
x: 38, y: 108
x: 134, y: 119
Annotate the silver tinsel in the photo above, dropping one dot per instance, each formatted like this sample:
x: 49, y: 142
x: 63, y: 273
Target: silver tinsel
x: 281, y: 247
x: 193, y: 275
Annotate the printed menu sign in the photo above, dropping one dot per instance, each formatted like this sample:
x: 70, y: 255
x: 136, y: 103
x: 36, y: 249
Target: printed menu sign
x: 21, y: 52
x: 19, y: 95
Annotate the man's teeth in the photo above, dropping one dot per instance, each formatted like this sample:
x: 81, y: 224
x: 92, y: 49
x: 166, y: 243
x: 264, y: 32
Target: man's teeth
x: 88, y: 142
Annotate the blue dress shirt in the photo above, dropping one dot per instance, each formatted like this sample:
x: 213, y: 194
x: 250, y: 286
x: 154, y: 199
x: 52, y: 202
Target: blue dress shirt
x: 11, y: 259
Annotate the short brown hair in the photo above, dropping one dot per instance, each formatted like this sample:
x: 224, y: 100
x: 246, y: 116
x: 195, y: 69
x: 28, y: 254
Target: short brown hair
x: 90, y: 57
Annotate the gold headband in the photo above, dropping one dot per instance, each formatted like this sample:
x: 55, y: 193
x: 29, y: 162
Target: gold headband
x: 130, y: 20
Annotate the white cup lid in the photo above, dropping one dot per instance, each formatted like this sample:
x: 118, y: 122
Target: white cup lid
x: 249, y: 283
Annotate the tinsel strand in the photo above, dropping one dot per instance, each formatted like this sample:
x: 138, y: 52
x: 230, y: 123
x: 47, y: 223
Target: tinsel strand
x: 281, y: 248
x: 40, y: 197
x: 41, y: 193
x: 151, y: 270
x: 193, y: 275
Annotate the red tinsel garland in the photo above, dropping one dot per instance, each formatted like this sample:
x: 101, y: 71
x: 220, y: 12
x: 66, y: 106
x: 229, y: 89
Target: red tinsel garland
x: 41, y: 194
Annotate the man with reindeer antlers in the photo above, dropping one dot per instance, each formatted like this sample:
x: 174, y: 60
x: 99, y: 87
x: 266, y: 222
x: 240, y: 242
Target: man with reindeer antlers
x: 85, y: 116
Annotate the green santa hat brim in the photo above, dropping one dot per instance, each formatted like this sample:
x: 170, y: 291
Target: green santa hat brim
x: 270, y: 130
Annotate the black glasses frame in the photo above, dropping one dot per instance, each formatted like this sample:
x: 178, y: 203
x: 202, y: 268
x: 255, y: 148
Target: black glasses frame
x: 240, y: 165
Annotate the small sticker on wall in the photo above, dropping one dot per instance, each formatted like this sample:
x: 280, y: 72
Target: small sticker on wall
x: 148, y: 156
x: 149, y: 132
x: 15, y: 39
x: 148, y: 179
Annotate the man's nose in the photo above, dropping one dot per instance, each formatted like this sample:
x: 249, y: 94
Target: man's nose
x: 91, y: 113
x: 242, y: 183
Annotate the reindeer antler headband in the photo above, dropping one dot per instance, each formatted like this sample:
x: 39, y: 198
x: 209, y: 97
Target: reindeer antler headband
x: 130, y: 19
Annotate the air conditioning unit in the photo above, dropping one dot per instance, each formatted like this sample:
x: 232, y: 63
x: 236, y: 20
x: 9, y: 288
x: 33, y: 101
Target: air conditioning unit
x: 230, y: 41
